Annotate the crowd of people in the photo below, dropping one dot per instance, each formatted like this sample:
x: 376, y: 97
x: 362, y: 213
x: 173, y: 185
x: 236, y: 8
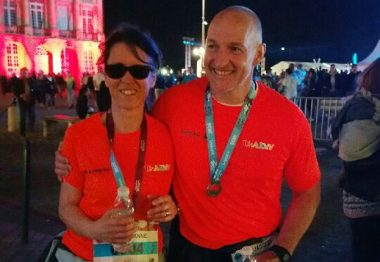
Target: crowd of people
x: 296, y: 81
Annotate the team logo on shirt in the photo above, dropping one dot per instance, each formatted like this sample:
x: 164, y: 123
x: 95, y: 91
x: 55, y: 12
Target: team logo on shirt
x: 97, y: 170
x: 193, y: 133
x: 157, y: 168
x: 258, y: 145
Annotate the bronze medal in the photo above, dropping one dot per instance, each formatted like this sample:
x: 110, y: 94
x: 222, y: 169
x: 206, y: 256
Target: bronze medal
x: 214, y: 189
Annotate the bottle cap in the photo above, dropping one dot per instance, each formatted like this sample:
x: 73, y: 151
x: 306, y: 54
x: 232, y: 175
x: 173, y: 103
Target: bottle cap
x: 123, y: 191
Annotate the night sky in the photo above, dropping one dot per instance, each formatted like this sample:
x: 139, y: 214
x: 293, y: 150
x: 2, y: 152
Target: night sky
x: 330, y: 29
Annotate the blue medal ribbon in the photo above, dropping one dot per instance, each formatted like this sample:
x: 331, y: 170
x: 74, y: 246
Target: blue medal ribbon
x: 217, y: 169
x: 118, y: 174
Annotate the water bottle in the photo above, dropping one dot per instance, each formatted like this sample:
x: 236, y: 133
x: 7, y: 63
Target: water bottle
x: 123, y: 206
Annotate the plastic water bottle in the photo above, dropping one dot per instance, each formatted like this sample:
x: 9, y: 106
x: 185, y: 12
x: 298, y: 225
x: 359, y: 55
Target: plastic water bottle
x: 123, y: 207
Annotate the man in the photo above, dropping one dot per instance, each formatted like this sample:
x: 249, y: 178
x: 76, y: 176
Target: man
x: 25, y: 93
x: 70, y: 85
x: 331, y: 85
x: 238, y: 205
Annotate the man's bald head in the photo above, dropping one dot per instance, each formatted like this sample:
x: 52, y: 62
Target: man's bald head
x: 244, y: 15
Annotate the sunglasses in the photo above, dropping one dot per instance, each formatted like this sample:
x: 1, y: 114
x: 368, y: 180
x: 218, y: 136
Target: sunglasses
x: 117, y: 71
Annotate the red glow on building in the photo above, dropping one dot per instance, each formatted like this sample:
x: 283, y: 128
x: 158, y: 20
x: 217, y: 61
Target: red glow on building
x: 54, y: 36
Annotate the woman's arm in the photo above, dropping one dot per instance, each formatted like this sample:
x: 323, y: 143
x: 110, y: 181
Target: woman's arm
x: 108, y: 228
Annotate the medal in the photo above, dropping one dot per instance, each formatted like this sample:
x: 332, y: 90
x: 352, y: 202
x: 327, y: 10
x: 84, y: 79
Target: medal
x: 217, y: 168
x: 214, y: 189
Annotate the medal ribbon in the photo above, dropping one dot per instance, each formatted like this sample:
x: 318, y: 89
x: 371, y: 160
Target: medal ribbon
x: 217, y: 169
x: 140, y: 161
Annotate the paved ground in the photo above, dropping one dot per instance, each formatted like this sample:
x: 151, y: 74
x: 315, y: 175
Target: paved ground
x: 327, y: 239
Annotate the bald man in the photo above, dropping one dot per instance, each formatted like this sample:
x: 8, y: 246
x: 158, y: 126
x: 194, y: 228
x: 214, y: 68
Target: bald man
x: 235, y: 141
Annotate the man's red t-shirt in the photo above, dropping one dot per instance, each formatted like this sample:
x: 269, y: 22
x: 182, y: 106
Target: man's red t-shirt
x: 275, y: 142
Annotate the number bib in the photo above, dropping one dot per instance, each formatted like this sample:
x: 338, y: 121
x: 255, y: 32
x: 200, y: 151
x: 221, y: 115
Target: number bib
x: 144, y: 247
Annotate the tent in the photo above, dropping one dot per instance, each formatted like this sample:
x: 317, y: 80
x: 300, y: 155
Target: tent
x: 283, y: 65
x: 370, y: 58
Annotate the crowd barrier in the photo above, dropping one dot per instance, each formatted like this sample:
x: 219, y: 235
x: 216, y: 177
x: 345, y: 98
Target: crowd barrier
x: 320, y: 112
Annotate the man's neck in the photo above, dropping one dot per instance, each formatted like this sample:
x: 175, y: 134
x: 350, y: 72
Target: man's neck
x: 234, y: 97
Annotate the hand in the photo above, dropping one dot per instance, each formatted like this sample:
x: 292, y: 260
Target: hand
x: 113, y: 228
x: 61, y: 164
x: 267, y: 256
x: 163, y: 209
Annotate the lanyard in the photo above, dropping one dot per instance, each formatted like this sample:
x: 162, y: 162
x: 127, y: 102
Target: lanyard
x: 140, y: 161
x: 217, y: 169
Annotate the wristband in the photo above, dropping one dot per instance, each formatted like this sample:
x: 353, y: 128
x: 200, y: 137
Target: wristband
x: 282, y: 253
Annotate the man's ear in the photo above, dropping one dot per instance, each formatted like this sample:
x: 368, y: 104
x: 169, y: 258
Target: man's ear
x: 260, y: 53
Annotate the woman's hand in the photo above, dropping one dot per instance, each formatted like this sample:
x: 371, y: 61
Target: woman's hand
x: 113, y: 227
x: 61, y: 164
x: 163, y: 209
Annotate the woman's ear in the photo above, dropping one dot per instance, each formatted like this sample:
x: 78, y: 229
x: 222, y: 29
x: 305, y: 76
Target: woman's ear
x: 152, y: 79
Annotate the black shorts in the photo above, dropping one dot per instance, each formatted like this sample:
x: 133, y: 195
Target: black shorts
x: 180, y: 249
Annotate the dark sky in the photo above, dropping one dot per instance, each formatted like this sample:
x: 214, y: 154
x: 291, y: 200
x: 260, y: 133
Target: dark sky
x: 330, y: 29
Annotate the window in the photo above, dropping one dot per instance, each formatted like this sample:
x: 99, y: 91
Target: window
x: 65, y: 63
x: 88, y: 62
x: 37, y: 11
x: 9, y: 12
x: 87, y: 16
x: 62, y: 18
x: 12, y: 58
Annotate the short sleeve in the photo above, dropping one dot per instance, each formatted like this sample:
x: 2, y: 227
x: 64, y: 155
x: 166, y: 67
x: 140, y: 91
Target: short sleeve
x: 75, y: 177
x: 302, y: 170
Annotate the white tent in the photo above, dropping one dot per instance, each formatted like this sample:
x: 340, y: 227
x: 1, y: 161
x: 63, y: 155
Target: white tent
x: 370, y: 58
x: 283, y: 65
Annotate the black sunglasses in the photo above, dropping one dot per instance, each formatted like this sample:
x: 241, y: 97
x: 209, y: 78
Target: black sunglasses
x: 117, y: 71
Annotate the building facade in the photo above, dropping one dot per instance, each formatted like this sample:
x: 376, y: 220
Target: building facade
x: 54, y: 36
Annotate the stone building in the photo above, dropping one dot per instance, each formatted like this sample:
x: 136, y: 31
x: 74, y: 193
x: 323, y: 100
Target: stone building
x: 54, y: 36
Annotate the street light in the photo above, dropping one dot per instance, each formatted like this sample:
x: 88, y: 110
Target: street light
x: 199, y: 51
x: 204, y: 23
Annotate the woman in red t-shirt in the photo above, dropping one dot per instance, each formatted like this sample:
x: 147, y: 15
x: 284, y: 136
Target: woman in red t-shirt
x: 131, y: 60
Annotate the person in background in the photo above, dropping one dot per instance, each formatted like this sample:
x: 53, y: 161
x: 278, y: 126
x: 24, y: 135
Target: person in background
x: 188, y: 75
x: 51, y: 91
x: 289, y: 84
x: 70, y: 85
x: 24, y: 92
x: 356, y: 134
x: 235, y: 141
x: 140, y: 144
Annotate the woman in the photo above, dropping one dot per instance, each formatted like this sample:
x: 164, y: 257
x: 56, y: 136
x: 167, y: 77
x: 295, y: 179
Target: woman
x: 357, y: 130
x: 140, y: 144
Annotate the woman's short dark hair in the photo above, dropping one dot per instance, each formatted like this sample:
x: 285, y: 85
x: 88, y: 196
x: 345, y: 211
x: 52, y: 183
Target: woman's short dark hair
x: 371, y: 77
x: 133, y: 37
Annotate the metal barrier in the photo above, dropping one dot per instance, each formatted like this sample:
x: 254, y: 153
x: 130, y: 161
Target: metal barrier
x: 320, y: 111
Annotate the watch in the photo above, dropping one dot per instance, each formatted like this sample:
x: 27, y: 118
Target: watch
x: 282, y: 253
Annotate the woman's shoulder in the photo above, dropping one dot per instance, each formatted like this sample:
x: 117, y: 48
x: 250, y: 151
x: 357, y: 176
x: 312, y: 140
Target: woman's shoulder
x: 87, y: 126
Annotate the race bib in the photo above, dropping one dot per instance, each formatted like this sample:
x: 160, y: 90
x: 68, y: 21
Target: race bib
x: 143, y: 247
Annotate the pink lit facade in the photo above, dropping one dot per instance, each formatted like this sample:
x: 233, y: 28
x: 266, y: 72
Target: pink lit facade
x: 54, y: 36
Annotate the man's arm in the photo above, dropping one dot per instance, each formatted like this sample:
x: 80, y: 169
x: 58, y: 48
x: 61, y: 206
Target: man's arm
x: 61, y: 164
x: 298, y: 218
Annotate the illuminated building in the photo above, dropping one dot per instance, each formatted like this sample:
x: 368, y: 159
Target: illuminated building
x: 50, y: 35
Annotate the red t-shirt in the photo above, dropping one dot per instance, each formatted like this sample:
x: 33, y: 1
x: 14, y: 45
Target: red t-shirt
x: 276, y: 141
x: 87, y: 148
